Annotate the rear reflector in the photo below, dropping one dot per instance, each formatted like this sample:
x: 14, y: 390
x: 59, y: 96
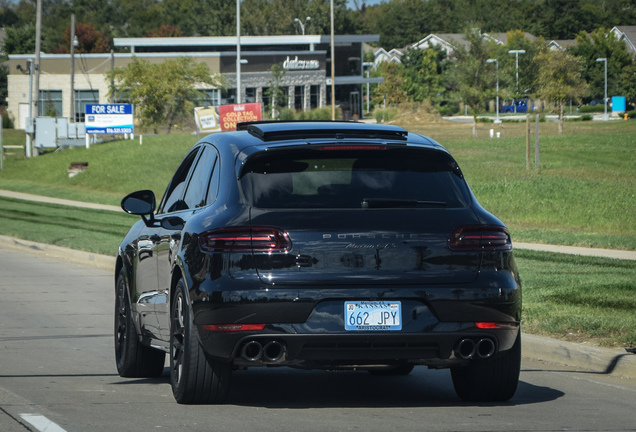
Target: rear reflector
x: 245, y: 239
x: 495, y: 325
x: 233, y: 327
x: 475, y: 238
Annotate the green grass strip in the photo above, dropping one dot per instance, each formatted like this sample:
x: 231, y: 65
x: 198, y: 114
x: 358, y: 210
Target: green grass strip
x: 579, y: 298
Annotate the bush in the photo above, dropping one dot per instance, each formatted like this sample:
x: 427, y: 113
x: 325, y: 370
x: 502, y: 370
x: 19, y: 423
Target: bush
x: 319, y: 114
x: 286, y: 114
x: 385, y: 115
x: 592, y: 109
x: 323, y: 114
x: 447, y: 108
x: 7, y: 122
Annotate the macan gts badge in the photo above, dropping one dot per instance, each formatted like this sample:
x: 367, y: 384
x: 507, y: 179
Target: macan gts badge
x: 317, y: 245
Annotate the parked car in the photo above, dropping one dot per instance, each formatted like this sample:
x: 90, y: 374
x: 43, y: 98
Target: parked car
x: 595, y: 102
x: 317, y: 245
x: 515, y: 106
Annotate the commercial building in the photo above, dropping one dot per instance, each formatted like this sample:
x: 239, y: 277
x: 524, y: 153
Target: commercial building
x: 306, y: 61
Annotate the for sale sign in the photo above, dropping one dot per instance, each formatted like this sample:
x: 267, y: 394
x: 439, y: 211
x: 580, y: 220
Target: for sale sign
x: 109, y: 119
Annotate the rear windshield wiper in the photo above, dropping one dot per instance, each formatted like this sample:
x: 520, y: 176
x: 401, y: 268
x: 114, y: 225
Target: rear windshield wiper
x: 397, y: 203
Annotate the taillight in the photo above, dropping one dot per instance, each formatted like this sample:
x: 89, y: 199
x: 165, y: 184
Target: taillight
x: 351, y: 147
x: 486, y: 238
x: 245, y: 239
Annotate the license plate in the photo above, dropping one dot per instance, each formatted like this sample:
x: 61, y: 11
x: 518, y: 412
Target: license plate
x: 373, y: 315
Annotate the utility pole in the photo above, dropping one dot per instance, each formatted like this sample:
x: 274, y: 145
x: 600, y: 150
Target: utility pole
x: 38, y: 37
x: 72, y: 98
x: 36, y: 66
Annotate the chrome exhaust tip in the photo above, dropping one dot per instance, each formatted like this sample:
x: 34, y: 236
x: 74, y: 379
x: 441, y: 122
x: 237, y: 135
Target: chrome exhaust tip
x: 465, y: 349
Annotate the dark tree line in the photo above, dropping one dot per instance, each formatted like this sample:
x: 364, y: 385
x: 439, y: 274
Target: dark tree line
x: 398, y: 22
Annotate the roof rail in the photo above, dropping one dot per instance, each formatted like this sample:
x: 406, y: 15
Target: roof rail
x: 292, y: 130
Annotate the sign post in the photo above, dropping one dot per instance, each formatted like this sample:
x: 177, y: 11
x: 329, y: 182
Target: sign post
x: 111, y: 119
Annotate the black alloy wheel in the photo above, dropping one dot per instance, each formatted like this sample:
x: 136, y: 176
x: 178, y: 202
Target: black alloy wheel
x: 194, y: 378
x: 134, y: 360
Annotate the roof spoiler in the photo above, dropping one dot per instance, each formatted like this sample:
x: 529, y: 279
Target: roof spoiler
x: 292, y: 130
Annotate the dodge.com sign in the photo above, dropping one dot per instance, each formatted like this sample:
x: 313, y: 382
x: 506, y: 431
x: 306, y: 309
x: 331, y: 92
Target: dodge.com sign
x: 109, y: 119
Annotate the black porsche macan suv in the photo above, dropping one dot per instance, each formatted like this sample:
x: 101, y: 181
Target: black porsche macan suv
x: 323, y: 245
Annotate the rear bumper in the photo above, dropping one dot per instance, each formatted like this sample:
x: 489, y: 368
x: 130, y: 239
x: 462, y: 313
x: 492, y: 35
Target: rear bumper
x: 308, y: 326
x: 436, y: 349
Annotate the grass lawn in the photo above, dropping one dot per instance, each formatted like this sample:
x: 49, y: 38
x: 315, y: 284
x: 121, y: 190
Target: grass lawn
x: 579, y: 298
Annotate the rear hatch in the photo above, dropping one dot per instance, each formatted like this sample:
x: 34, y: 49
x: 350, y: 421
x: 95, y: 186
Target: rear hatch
x: 360, y: 214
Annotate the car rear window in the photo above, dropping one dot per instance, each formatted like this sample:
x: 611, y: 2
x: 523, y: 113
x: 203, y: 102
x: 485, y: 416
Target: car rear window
x: 353, y: 178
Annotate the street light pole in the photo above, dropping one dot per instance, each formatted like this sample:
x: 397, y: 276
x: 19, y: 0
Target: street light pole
x: 238, y: 51
x: 302, y: 26
x: 333, y: 69
x: 516, y: 53
x: 604, y: 60
x: 496, y: 62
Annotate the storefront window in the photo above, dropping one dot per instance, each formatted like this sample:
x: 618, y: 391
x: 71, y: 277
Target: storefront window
x: 50, y: 103
x: 83, y: 97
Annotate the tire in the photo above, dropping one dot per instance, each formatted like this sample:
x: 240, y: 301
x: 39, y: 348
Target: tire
x: 134, y: 360
x: 491, y: 380
x: 194, y: 378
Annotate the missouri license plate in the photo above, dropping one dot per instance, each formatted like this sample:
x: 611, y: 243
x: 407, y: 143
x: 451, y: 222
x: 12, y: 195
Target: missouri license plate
x: 373, y: 315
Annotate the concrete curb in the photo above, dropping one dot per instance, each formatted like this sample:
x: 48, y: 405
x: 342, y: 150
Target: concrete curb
x: 102, y: 262
x: 597, y: 360
x: 606, y: 361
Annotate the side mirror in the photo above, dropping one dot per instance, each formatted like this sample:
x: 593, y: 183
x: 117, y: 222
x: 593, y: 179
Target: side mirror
x: 139, y: 203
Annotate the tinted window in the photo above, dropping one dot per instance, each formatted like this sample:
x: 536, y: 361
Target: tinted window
x: 196, y: 193
x: 345, y: 178
x: 213, y: 189
x: 173, y: 197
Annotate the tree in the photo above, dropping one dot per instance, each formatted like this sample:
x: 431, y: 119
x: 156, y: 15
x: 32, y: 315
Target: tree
x: 165, y: 30
x: 19, y: 40
x: 89, y: 40
x: 275, y: 92
x: 473, y: 77
x: 391, y: 90
x: 422, y: 71
x: 603, y: 44
x: 628, y: 76
x: 527, y: 70
x: 559, y: 79
x: 162, y: 93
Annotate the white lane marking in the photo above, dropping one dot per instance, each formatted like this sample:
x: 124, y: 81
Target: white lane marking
x: 41, y: 423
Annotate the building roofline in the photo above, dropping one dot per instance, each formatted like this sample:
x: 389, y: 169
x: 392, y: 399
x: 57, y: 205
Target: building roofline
x: 245, y: 40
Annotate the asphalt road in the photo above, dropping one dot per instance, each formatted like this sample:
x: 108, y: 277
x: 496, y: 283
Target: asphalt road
x: 57, y: 373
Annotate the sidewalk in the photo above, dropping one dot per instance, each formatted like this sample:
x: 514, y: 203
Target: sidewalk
x: 60, y: 201
x: 606, y: 253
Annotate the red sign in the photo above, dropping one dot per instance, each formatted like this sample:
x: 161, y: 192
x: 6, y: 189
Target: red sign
x: 230, y: 115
